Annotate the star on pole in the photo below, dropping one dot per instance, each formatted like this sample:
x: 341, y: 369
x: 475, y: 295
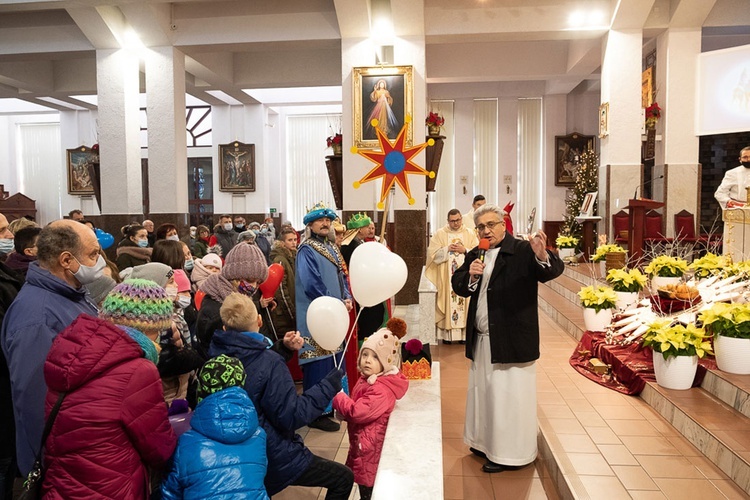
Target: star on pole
x: 393, y: 162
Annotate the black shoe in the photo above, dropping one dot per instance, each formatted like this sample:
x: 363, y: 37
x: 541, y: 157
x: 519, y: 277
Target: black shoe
x: 477, y: 452
x: 491, y: 467
x: 447, y: 342
x: 462, y: 342
x: 325, y: 424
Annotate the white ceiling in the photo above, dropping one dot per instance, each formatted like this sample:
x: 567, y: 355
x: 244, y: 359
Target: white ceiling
x: 240, y: 50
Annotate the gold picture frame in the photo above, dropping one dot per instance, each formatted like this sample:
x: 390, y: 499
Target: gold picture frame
x: 79, y: 175
x: 603, y: 120
x: 385, y: 93
x: 237, y: 167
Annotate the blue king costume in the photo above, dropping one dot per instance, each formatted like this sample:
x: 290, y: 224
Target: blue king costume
x: 321, y: 271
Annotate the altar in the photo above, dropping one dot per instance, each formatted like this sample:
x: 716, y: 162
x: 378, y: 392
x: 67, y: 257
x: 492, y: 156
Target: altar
x: 736, y: 238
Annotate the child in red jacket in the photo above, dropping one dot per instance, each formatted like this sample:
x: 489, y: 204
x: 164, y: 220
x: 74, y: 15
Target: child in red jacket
x: 368, y: 409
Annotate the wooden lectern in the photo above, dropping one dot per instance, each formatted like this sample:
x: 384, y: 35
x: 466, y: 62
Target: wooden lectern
x: 588, y: 223
x: 637, y: 222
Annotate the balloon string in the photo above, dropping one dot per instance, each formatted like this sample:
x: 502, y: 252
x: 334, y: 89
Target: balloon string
x: 348, y: 338
x: 270, y: 322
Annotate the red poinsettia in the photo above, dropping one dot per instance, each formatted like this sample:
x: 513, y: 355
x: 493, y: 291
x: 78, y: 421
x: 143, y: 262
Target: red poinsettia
x: 334, y: 139
x: 653, y: 111
x: 434, y: 119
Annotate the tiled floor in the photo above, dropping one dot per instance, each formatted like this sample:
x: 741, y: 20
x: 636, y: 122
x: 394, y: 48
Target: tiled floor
x: 607, y: 445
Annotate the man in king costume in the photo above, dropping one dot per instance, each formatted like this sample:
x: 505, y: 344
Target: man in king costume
x: 444, y: 255
x: 321, y: 271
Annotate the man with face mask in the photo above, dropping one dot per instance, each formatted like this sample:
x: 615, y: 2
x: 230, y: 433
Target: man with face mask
x: 54, y: 295
x: 321, y: 271
x: 224, y: 235
x: 6, y: 239
x: 261, y: 241
x: 731, y: 192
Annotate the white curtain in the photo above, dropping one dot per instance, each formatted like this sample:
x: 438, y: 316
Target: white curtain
x: 307, y: 176
x: 530, y: 167
x: 42, y: 174
x: 486, y: 149
x: 444, y: 197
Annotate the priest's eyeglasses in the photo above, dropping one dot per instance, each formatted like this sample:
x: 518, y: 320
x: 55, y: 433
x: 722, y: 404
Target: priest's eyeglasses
x: 489, y: 225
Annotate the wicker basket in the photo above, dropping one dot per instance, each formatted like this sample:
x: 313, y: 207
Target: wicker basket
x: 615, y: 260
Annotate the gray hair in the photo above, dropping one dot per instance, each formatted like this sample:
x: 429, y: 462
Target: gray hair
x: 53, y: 241
x: 487, y: 208
x: 246, y: 236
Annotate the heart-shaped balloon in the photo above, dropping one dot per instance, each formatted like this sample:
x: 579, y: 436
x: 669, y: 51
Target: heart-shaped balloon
x: 275, y: 275
x: 199, y: 299
x: 376, y: 273
x: 328, y: 321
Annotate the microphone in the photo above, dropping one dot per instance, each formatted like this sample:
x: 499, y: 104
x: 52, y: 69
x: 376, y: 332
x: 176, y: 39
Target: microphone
x: 484, y: 245
x: 635, y: 195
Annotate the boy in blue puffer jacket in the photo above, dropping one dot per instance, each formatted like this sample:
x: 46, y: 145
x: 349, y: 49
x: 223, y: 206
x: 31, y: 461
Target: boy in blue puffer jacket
x: 280, y: 409
x: 224, y: 454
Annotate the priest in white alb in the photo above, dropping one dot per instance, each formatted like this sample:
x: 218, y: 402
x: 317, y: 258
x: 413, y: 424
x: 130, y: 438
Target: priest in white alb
x: 446, y: 254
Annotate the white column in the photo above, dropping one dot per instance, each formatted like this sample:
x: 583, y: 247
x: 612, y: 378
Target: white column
x: 117, y: 79
x: 677, y: 153
x: 621, y: 149
x: 167, y: 139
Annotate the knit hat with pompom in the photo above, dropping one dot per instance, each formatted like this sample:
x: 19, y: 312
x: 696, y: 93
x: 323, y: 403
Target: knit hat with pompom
x: 245, y: 262
x: 387, y: 348
x: 139, y: 304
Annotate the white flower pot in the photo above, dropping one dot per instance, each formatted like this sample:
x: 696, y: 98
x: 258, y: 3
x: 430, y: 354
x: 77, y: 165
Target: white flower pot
x: 601, y: 268
x: 567, y: 253
x: 625, y: 300
x: 732, y: 355
x: 596, y: 321
x: 661, y: 281
x: 677, y: 372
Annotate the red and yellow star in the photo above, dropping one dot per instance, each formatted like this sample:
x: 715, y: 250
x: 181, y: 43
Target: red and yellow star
x: 393, y: 163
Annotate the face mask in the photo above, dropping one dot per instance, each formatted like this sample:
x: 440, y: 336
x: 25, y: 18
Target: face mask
x: 6, y: 245
x: 183, y: 301
x: 746, y: 164
x: 142, y: 243
x: 270, y: 225
x: 239, y: 226
x: 189, y: 265
x: 192, y: 234
x: 171, y: 292
x: 256, y: 232
x: 227, y: 226
x: 174, y: 237
x: 245, y: 288
x: 88, y: 274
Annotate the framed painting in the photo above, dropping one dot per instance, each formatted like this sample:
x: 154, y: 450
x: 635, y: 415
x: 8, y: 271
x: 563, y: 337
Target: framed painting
x: 603, y: 120
x: 79, y: 176
x: 568, y: 151
x: 237, y: 167
x: 382, y: 93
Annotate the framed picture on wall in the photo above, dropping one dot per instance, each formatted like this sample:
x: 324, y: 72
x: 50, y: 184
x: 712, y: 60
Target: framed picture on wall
x: 568, y: 151
x: 382, y: 93
x: 603, y: 120
x: 79, y: 177
x: 237, y: 167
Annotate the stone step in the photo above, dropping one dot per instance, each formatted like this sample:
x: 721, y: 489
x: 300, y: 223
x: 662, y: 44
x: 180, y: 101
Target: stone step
x: 564, y: 312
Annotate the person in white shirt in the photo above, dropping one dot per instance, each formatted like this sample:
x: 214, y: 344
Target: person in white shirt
x: 731, y: 192
x: 477, y: 202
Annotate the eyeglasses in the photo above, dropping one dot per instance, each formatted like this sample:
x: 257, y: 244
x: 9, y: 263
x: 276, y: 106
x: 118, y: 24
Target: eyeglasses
x: 489, y: 225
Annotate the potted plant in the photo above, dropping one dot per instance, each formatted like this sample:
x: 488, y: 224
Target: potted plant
x: 626, y: 284
x: 566, y: 246
x: 598, y: 303
x: 709, y: 265
x: 601, y: 256
x: 730, y: 326
x: 434, y: 123
x: 665, y: 270
x: 335, y: 142
x: 676, y: 349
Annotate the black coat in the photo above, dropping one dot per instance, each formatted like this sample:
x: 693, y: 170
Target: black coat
x: 511, y: 299
x: 10, y: 284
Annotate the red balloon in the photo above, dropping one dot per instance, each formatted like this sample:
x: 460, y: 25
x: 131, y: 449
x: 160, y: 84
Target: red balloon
x: 199, y: 299
x: 275, y: 275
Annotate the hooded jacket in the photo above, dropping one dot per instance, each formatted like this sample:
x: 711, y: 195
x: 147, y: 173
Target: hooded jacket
x: 43, y: 308
x: 280, y: 409
x: 223, y: 455
x: 367, y: 413
x: 113, y: 422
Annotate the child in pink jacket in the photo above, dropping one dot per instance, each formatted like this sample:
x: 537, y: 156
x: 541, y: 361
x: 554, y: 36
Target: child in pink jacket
x: 368, y: 409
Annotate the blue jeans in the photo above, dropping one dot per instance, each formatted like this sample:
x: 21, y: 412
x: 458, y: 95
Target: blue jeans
x: 336, y: 477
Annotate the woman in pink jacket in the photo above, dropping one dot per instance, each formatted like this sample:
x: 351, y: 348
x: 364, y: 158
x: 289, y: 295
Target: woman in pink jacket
x: 368, y: 409
x: 112, y: 426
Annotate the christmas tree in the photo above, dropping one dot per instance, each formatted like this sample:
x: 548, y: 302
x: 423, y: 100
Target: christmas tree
x: 587, y: 181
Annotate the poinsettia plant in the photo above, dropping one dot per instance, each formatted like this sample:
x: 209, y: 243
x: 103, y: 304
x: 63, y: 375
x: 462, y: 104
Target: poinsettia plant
x: 667, y: 266
x: 334, y: 139
x: 677, y: 340
x: 653, y: 113
x: 709, y: 265
x: 434, y: 120
x: 729, y: 320
x: 564, y: 241
x: 623, y: 280
x: 598, y: 298
x: 603, y: 250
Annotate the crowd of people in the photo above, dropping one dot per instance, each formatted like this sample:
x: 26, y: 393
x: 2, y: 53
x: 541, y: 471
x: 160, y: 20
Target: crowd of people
x: 102, y: 359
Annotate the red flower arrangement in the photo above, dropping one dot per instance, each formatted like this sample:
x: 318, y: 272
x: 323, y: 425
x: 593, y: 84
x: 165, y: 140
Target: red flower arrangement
x: 334, y: 139
x: 653, y: 113
x: 434, y: 120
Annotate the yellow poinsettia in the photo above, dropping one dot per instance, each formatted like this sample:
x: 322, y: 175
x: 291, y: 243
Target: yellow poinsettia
x: 603, y: 250
x: 677, y: 340
x: 624, y: 280
x: 598, y: 298
x: 564, y: 241
x: 709, y: 265
x: 667, y: 266
x: 729, y: 320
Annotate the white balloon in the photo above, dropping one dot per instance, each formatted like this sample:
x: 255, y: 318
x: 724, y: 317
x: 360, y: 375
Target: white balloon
x: 375, y: 273
x: 328, y: 322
